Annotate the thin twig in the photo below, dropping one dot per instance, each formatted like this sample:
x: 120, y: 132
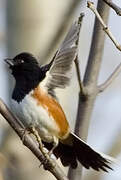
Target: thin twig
x: 116, y: 8
x: 102, y: 87
x: 15, y: 123
x: 79, y: 75
x: 105, y: 27
x: 78, y: 72
x: 111, y: 78
x: 80, y: 20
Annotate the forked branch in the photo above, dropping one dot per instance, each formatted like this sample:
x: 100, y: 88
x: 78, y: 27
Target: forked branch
x: 105, y: 27
x: 112, y: 77
x: 86, y: 103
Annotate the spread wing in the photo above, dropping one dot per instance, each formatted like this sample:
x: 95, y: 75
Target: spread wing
x: 59, y: 72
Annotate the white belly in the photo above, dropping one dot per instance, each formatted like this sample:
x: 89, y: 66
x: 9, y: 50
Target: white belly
x: 30, y: 113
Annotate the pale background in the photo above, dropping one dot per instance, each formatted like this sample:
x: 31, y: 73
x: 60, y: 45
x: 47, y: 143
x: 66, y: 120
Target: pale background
x: 33, y: 35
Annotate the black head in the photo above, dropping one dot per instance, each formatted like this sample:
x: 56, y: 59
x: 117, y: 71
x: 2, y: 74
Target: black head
x: 21, y: 60
x: 24, y: 66
x: 26, y: 72
x: 25, y: 58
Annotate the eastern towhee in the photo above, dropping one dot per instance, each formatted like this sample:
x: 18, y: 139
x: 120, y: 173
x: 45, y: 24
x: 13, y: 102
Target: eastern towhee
x: 35, y: 103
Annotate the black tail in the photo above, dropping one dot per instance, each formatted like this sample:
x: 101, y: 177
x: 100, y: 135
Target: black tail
x: 76, y: 150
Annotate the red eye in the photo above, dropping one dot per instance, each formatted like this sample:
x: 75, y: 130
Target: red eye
x: 20, y: 61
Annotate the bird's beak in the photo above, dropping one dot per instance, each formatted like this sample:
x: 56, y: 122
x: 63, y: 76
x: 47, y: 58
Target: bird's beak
x: 9, y: 61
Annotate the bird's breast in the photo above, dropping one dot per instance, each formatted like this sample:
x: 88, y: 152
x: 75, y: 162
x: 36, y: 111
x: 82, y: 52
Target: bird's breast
x: 53, y: 110
x: 44, y: 112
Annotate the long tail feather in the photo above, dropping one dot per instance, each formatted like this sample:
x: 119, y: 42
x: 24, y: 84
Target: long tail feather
x: 74, y: 149
x: 89, y: 157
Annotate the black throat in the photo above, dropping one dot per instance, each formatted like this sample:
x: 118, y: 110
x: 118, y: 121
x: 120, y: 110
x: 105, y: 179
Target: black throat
x: 26, y: 80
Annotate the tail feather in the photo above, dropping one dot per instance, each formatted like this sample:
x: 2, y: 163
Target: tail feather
x: 74, y: 149
x: 89, y: 157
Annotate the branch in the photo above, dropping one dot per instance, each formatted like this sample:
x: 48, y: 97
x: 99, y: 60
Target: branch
x: 86, y: 102
x: 49, y: 164
x: 111, y: 78
x: 79, y: 75
x: 116, y: 8
x: 102, y: 87
x: 78, y: 72
x: 105, y: 27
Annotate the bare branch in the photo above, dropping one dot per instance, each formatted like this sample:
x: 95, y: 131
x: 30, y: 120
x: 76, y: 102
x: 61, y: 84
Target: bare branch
x: 49, y: 164
x: 86, y: 102
x: 111, y: 78
x: 105, y: 27
x: 116, y: 8
x: 79, y: 75
x: 80, y: 19
x: 102, y: 87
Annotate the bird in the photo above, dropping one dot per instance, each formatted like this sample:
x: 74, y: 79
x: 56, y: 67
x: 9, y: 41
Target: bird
x: 35, y: 103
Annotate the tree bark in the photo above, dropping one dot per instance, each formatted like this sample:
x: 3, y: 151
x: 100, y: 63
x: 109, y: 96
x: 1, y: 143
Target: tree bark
x: 86, y: 101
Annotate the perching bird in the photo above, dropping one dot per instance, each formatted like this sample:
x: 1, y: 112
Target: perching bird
x: 34, y: 101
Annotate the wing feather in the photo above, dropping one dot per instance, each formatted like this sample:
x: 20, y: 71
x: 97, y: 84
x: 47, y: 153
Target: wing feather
x: 59, y: 74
